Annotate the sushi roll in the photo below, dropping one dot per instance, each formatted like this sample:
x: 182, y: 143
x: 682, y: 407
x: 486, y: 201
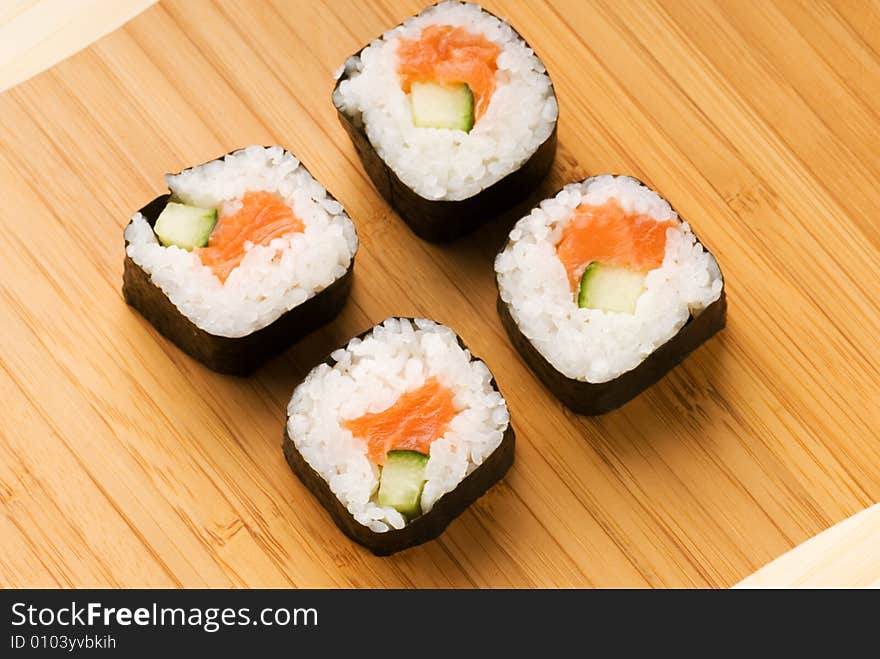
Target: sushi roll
x: 453, y: 117
x: 603, y: 289
x: 246, y: 255
x: 398, y: 432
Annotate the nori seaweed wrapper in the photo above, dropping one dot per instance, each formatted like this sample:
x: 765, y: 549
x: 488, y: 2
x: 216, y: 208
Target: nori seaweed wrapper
x: 423, y: 528
x: 597, y: 398
x: 238, y: 355
x: 440, y: 221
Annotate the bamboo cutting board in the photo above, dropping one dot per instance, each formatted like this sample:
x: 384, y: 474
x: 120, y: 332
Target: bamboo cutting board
x: 124, y: 463
x: 844, y: 556
x: 34, y: 34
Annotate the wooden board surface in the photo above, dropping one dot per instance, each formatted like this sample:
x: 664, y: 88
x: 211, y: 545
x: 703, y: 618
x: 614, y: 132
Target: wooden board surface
x: 844, y: 556
x: 35, y: 34
x: 122, y: 462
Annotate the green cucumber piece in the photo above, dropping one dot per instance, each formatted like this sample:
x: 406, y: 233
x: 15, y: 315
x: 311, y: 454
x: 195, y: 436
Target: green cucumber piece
x: 400, y: 485
x: 442, y: 106
x: 185, y: 226
x: 610, y: 288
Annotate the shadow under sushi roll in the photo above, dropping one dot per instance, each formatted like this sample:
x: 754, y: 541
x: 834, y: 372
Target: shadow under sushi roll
x: 471, y: 184
x: 374, y: 522
x: 280, y: 327
x: 698, y: 314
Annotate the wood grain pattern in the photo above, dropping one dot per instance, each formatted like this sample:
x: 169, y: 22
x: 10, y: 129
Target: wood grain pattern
x: 844, y: 556
x: 35, y: 34
x: 124, y: 463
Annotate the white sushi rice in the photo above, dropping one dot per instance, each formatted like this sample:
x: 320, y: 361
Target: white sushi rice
x: 589, y: 344
x: 271, y: 279
x: 442, y: 163
x: 369, y: 375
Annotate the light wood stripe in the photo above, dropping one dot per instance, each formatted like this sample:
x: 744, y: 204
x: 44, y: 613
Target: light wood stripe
x: 35, y: 34
x: 844, y: 556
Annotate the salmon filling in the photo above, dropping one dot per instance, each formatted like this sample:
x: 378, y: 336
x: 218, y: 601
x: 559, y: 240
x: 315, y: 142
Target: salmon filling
x: 412, y: 423
x: 263, y: 216
x: 609, y: 235
x: 450, y: 55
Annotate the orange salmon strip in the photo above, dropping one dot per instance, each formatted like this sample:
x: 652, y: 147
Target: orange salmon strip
x: 262, y: 218
x: 412, y: 423
x: 608, y: 234
x: 450, y: 55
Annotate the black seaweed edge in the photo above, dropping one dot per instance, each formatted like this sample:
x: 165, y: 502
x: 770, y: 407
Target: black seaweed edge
x: 443, y: 221
x: 426, y: 527
x: 230, y: 355
x: 598, y: 398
